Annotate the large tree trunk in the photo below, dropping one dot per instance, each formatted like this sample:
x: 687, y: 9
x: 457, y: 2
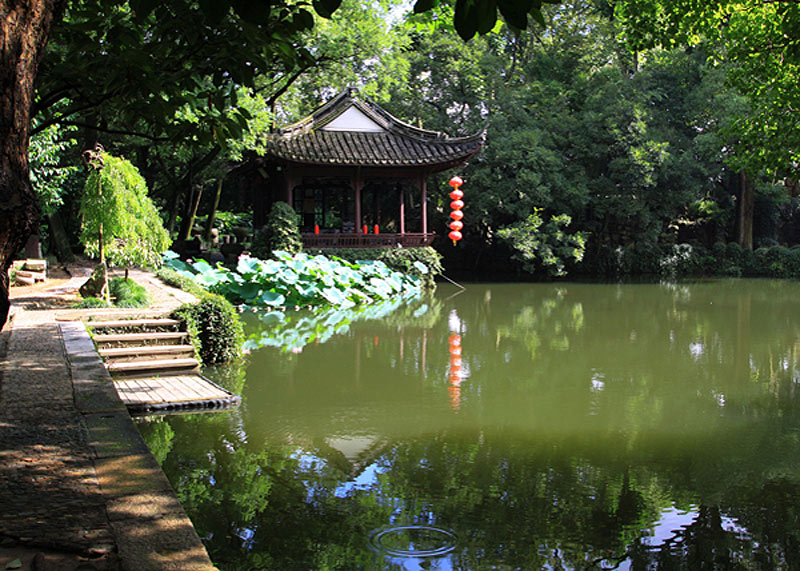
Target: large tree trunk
x: 213, y: 214
x: 24, y: 29
x: 746, y: 209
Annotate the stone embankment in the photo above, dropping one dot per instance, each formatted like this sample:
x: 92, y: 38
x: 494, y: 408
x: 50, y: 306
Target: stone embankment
x: 78, y: 487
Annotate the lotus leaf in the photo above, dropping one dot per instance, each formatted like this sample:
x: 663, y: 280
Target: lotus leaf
x: 248, y: 265
x: 272, y: 298
x: 333, y: 295
x: 201, y: 266
x: 422, y: 268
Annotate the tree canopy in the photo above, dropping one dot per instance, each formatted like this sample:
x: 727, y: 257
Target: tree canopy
x: 647, y: 123
x: 120, y: 222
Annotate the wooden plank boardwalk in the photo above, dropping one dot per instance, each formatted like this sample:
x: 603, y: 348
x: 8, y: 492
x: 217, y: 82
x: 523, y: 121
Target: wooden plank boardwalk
x: 172, y: 393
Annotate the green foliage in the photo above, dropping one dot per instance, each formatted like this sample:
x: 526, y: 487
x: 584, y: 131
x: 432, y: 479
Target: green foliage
x: 760, y: 61
x: 171, y: 277
x: 300, y: 281
x: 281, y: 232
x: 90, y: 302
x: 423, y: 263
x: 115, y: 206
x: 537, y: 244
x: 159, y: 436
x: 128, y: 293
x: 214, y: 326
x: 48, y: 171
x: 225, y: 222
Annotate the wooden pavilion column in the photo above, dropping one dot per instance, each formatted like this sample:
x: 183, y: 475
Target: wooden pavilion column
x: 402, y: 209
x: 289, y: 181
x: 357, y: 182
x: 423, y: 190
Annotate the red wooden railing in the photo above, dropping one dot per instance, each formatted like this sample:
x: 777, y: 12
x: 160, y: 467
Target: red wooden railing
x: 367, y: 240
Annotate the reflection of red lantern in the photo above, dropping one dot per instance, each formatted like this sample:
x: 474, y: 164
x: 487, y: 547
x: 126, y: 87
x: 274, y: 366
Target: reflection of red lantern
x: 456, y: 195
x: 454, y: 372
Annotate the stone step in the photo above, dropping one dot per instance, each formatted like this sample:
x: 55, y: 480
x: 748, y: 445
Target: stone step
x: 138, y: 323
x: 29, y: 275
x: 125, y: 367
x: 150, y: 338
x: 23, y: 280
x: 146, y: 352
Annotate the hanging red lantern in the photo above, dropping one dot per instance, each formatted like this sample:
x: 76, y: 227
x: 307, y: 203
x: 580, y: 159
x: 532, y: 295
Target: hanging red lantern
x: 456, y: 205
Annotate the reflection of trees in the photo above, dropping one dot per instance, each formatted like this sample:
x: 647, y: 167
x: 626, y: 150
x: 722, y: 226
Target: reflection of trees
x: 587, y: 411
x: 511, y: 499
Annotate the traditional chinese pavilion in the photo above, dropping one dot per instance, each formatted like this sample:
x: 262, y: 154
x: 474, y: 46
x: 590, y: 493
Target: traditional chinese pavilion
x: 351, y: 166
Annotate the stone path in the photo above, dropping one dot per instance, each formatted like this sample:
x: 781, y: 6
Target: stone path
x: 78, y: 487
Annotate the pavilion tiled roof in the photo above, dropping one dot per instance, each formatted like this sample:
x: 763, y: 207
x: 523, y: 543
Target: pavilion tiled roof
x: 390, y: 143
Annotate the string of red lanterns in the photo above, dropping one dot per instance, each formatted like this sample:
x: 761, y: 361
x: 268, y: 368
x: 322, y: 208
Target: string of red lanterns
x: 456, y: 195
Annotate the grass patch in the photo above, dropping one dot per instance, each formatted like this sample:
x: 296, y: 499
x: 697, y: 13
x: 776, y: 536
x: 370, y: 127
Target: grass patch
x: 90, y: 302
x: 128, y: 293
x: 124, y: 293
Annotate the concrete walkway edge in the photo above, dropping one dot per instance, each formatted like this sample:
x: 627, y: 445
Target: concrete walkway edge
x: 151, y: 528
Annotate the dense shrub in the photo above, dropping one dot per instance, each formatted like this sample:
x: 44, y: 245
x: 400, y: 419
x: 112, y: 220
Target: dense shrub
x: 281, y: 232
x: 214, y: 326
x: 731, y: 260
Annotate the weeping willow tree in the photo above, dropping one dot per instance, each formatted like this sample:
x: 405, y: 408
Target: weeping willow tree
x: 121, y: 225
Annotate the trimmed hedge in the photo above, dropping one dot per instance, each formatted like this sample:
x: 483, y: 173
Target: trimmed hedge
x: 215, y: 328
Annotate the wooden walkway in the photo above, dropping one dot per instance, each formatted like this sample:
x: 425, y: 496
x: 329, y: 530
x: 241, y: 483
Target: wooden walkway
x: 172, y: 394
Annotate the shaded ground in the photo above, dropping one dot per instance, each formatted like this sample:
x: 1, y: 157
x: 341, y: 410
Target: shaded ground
x: 78, y: 488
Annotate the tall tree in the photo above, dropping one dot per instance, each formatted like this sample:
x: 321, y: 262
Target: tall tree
x: 759, y: 42
x: 204, y: 37
x: 24, y: 29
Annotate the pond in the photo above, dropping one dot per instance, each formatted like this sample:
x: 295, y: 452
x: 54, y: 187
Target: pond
x: 508, y: 426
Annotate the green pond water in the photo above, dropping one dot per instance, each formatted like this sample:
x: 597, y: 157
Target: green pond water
x: 508, y: 426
